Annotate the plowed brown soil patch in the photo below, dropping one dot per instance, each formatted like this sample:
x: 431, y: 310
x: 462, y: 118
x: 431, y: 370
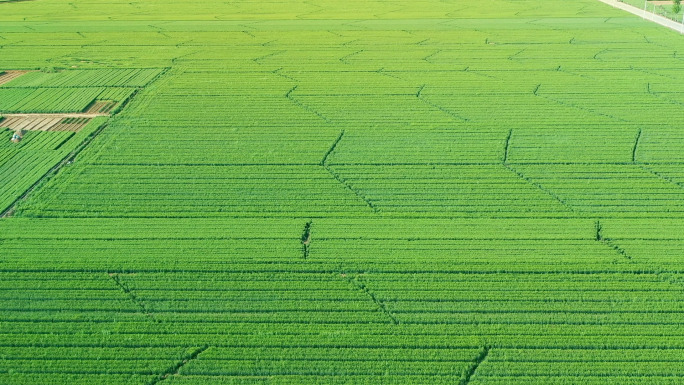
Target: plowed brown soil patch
x: 8, y: 76
x: 46, y: 122
x: 70, y: 124
x: 101, y: 107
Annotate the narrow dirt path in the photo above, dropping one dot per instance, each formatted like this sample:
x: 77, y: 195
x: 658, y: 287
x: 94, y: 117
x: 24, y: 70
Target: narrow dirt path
x: 664, y: 21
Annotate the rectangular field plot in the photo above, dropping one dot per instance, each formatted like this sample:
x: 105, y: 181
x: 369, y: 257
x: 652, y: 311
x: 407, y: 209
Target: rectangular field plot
x: 86, y: 78
x: 287, y: 297
x: 401, y: 146
x: 51, y: 122
x: 212, y: 82
x: 173, y: 191
x: 487, y: 190
x: 62, y: 296
x: 600, y: 145
x: 467, y: 255
x: 352, y: 83
x: 8, y: 76
x: 30, y: 123
x: 646, y: 110
x: 462, y: 245
x: 455, y: 229
x: 333, y: 365
x: 49, y: 140
x: 254, y: 112
x: 46, y: 100
x: 216, y: 144
x: 664, y: 145
x: 430, y: 297
x: 609, y: 190
x: 220, y: 244
x: 381, y: 110
x: 101, y: 107
x: 586, y: 366
x: 61, y: 100
x: 656, y: 242
x: 519, y: 111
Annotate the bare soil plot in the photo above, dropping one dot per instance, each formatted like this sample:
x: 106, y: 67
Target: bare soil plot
x: 70, y: 124
x: 47, y: 122
x: 101, y: 107
x: 8, y: 76
x: 29, y: 123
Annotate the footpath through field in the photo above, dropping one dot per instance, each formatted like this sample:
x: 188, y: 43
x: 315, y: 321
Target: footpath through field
x: 664, y: 21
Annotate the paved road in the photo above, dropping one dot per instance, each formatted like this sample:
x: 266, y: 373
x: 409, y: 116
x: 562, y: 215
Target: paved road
x: 664, y: 21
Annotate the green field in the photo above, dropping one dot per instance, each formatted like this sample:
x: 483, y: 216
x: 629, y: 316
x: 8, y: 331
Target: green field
x: 329, y: 192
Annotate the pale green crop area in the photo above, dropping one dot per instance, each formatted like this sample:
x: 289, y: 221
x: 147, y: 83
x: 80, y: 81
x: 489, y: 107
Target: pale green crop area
x: 342, y: 192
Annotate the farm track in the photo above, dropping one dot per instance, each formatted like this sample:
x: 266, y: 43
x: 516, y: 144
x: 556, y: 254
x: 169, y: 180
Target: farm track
x: 649, y: 16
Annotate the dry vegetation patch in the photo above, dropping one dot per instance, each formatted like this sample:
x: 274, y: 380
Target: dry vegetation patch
x: 47, y: 122
x: 8, y: 76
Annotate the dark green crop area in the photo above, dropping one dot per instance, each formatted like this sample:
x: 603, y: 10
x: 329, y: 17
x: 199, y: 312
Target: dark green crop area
x: 341, y: 192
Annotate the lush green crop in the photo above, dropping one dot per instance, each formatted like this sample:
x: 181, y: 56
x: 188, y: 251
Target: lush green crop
x: 24, y: 163
x: 72, y: 90
x: 357, y: 192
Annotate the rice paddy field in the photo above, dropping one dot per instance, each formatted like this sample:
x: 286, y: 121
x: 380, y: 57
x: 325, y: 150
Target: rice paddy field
x: 328, y: 192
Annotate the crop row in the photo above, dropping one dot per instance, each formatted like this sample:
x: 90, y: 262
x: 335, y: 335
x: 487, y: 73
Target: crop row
x: 52, y: 100
x: 322, y: 367
x: 569, y: 379
x: 354, y: 308
x: 466, y: 335
x: 86, y: 78
x: 76, y: 378
x: 314, y: 315
x: 357, y: 232
x: 183, y: 301
x: 445, y: 190
x: 455, y: 262
x: 214, y: 190
x: 219, y: 145
x: 300, y: 274
x: 43, y: 140
x: 283, y: 295
x: 627, y: 367
x: 20, y: 171
x: 216, y: 145
x: 222, y: 146
x: 206, y: 259
x: 364, y: 335
x: 119, y: 94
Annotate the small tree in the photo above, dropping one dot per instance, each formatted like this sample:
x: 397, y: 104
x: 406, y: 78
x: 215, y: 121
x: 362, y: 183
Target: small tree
x: 677, y: 6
